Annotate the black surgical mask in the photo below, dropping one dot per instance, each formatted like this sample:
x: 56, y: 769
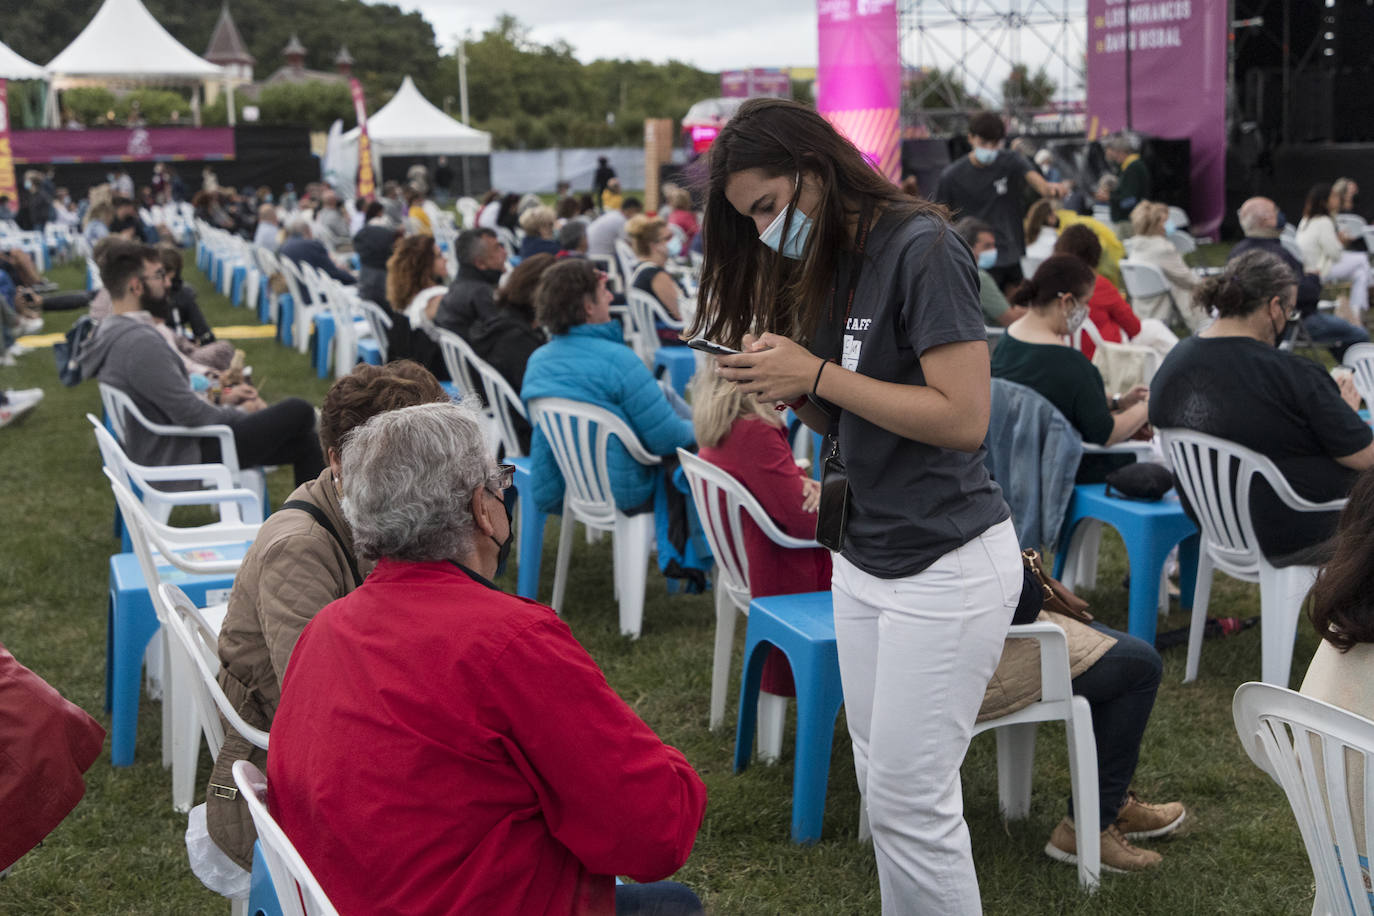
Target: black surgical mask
x: 503, y: 547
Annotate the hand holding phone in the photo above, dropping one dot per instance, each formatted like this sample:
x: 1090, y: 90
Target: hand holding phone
x: 710, y: 346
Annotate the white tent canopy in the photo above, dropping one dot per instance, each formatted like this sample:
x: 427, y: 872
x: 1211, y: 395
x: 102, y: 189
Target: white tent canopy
x: 14, y: 67
x: 123, y: 42
x: 410, y: 125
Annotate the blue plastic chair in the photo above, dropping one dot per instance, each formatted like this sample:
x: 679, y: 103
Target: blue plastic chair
x: 1149, y: 529
x: 802, y: 627
x: 237, y: 283
x: 262, y: 894
x: 324, y: 341
x: 286, y: 319
x: 679, y: 363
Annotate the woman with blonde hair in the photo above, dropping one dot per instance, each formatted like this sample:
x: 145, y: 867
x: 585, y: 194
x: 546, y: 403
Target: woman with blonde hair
x: 1150, y: 242
x: 653, y: 242
x: 683, y: 216
x: 748, y: 441
x: 537, y: 221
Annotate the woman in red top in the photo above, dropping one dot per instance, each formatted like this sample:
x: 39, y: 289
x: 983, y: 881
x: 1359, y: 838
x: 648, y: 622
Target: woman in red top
x: 1107, y: 309
x: 747, y: 440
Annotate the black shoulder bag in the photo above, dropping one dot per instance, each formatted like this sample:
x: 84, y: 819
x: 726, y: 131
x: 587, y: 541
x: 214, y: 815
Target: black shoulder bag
x: 832, y: 516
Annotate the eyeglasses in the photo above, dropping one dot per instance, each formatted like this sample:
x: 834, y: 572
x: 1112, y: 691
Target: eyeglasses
x: 503, y: 477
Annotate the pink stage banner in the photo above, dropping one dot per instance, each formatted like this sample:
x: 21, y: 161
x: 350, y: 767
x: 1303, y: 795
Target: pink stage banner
x: 367, y: 182
x: 139, y: 144
x: 859, y: 77
x: 7, y: 183
x: 1177, y: 84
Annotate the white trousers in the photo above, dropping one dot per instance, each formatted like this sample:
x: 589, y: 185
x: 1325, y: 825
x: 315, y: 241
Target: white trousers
x: 916, y: 655
x: 1353, y: 266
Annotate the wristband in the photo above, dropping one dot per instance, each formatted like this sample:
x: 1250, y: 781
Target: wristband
x: 1116, y: 402
x: 791, y: 405
x: 816, y: 383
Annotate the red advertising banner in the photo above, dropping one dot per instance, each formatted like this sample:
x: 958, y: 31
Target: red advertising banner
x: 139, y: 144
x: 1175, y: 87
x: 367, y: 182
x: 859, y: 77
x: 7, y: 183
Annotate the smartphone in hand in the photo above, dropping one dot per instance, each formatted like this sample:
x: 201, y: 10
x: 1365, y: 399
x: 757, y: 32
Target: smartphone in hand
x: 710, y: 346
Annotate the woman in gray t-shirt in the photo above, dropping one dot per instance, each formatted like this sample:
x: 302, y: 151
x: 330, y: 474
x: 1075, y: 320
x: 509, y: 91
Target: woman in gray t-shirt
x: 860, y: 311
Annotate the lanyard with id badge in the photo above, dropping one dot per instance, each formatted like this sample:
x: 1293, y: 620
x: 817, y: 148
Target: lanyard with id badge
x: 832, y: 516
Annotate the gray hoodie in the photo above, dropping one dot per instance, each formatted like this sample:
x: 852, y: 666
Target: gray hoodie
x: 129, y: 354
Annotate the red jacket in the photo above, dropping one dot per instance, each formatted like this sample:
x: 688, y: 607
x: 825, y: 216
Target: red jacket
x: 46, y: 744
x: 1111, y: 313
x: 757, y: 455
x: 443, y: 747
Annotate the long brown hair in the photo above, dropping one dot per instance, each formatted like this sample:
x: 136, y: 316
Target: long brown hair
x: 746, y: 286
x: 410, y: 269
x: 1343, y: 598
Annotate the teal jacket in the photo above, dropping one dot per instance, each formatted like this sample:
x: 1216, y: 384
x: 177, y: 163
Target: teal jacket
x: 591, y: 363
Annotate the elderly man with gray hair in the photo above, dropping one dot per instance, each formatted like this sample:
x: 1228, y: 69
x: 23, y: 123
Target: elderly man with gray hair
x: 1262, y: 222
x: 303, y: 249
x: 1134, y: 186
x: 441, y: 746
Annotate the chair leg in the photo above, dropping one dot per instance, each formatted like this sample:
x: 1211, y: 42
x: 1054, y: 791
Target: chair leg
x: 632, y: 537
x: 720, y: 660
x: 1083, y: 779
x: 531, y: 544
x: 238, y: 906
x: 185, y: 736
x: 811, y: 773
x: 1282, y: 592
x: 1015, y: 763
x: 772, y: 720
x: 1201, y: 593
x: 159, y: 656
x: 560, y: 569
x: 1084, y: 559
x: 865, y: 828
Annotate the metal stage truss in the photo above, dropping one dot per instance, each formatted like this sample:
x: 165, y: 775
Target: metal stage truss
x: 974, y: 44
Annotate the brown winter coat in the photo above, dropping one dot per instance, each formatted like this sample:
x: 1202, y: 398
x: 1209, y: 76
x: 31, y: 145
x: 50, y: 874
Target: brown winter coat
x: 292, y: 570
x: 1016, y: 682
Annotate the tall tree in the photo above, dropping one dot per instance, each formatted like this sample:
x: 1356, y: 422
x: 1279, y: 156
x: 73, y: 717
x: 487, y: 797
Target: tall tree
x: 1023, y: 91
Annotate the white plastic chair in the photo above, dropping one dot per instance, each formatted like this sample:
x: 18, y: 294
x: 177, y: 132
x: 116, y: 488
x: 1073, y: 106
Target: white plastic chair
x: 1305, y: 745
x: 458, y: 357
x: 298, y: 892
x: 578, y: 435
x: 504, y: 404
x: 644, y: 311
x: 1360, y: 357
x: 378, y: 322
x: 1145, y: 281
x: 608, y: 265
x: 1351, y: 224
x: 1216, y: 476
x: 154, y: 542
x: 1180, y: 217
x: 722, y: 503
x: 626, y: 260
x: 120, y: 409
x: 1089, y: 329
x: 467, y: 208
x: 1184, y: 242
x: 1288, y: 238
x: 195, y: 644
x: 307, y: 305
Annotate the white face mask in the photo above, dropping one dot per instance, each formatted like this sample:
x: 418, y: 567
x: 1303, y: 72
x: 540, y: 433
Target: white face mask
x: 1078, y: 313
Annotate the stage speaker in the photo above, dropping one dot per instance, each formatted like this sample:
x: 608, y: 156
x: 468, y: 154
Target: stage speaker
x: 1170, y: 164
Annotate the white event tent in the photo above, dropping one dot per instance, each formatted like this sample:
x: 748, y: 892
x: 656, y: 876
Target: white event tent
x: 410, y: 125
x: 14, y: 67
x: 123, y: 45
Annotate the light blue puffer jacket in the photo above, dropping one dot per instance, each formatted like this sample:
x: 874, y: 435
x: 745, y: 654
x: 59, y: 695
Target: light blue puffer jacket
x: 591, y: 363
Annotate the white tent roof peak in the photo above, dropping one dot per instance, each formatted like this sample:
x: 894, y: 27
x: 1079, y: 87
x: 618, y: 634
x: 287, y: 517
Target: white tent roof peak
x: 123, y: 40
x: 14, y: 67
x: 411, y: 124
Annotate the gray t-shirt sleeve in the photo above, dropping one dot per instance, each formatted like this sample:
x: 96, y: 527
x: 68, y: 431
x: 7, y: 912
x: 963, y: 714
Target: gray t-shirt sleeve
x: 941, y: 283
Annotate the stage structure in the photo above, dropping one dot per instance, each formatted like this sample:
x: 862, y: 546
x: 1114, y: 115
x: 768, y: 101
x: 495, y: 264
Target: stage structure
x: 973, y: 44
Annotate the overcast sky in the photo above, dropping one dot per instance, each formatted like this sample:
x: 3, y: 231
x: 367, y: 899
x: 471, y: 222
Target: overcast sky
x: 710, y: 34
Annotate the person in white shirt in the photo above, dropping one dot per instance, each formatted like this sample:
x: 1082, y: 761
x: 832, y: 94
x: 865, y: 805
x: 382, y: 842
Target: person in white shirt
x: 1323, y: 249
x: 268, y: 233
x: 609, y: 226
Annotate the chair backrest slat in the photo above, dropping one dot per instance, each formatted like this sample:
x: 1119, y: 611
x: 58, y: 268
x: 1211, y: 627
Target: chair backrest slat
x: 298, y: 891
x: 579, y: 435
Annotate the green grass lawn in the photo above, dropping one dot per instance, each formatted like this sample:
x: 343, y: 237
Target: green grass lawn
x: 122, y: 850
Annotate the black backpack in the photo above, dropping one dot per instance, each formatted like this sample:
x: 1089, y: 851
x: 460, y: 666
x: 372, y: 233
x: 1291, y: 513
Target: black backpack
x: 67, y: 352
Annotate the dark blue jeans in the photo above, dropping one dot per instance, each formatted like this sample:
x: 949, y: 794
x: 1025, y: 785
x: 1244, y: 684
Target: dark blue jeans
x: 1120, y: 688
x: 661, y: 898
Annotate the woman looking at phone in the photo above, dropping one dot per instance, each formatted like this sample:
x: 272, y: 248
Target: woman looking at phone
x: 858, y: 306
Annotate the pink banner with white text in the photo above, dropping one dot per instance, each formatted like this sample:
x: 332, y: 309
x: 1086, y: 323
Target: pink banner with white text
x: 138, y: 144
x: 859, y: 77
x: 1177, y: 58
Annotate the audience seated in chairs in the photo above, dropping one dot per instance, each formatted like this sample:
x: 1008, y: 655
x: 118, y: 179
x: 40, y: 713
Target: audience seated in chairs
x: 472, y: 294
x: 295, y: 566
x: 537, y: 221
x: 586, y: 359
x: 303, y: 249
x: 1034, y: 353
x: 1323, y: 249
x: 1230, y: 381
x: 373, y: 244
x: 654, y: 243
x: 500, y: 772
x: 572, y: 239
x: 1342, y: 610
x: 1109, y: 311
x: 510, y: 336
x: 127, y: 353
x: 180, y: 322
x: 982, y: 241
x: 749, y: 441
x: 415, y: 267
x: 1151, y: 244
x: 1046, y: 219
x: 1261, y: 222
x: 267, y: 233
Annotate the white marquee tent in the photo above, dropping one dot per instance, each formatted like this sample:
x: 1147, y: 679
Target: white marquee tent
x: 14, y: 67
x: 124, y: 45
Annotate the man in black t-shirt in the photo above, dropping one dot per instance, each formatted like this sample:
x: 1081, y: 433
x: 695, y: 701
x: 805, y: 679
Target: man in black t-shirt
x: 989, y: 184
